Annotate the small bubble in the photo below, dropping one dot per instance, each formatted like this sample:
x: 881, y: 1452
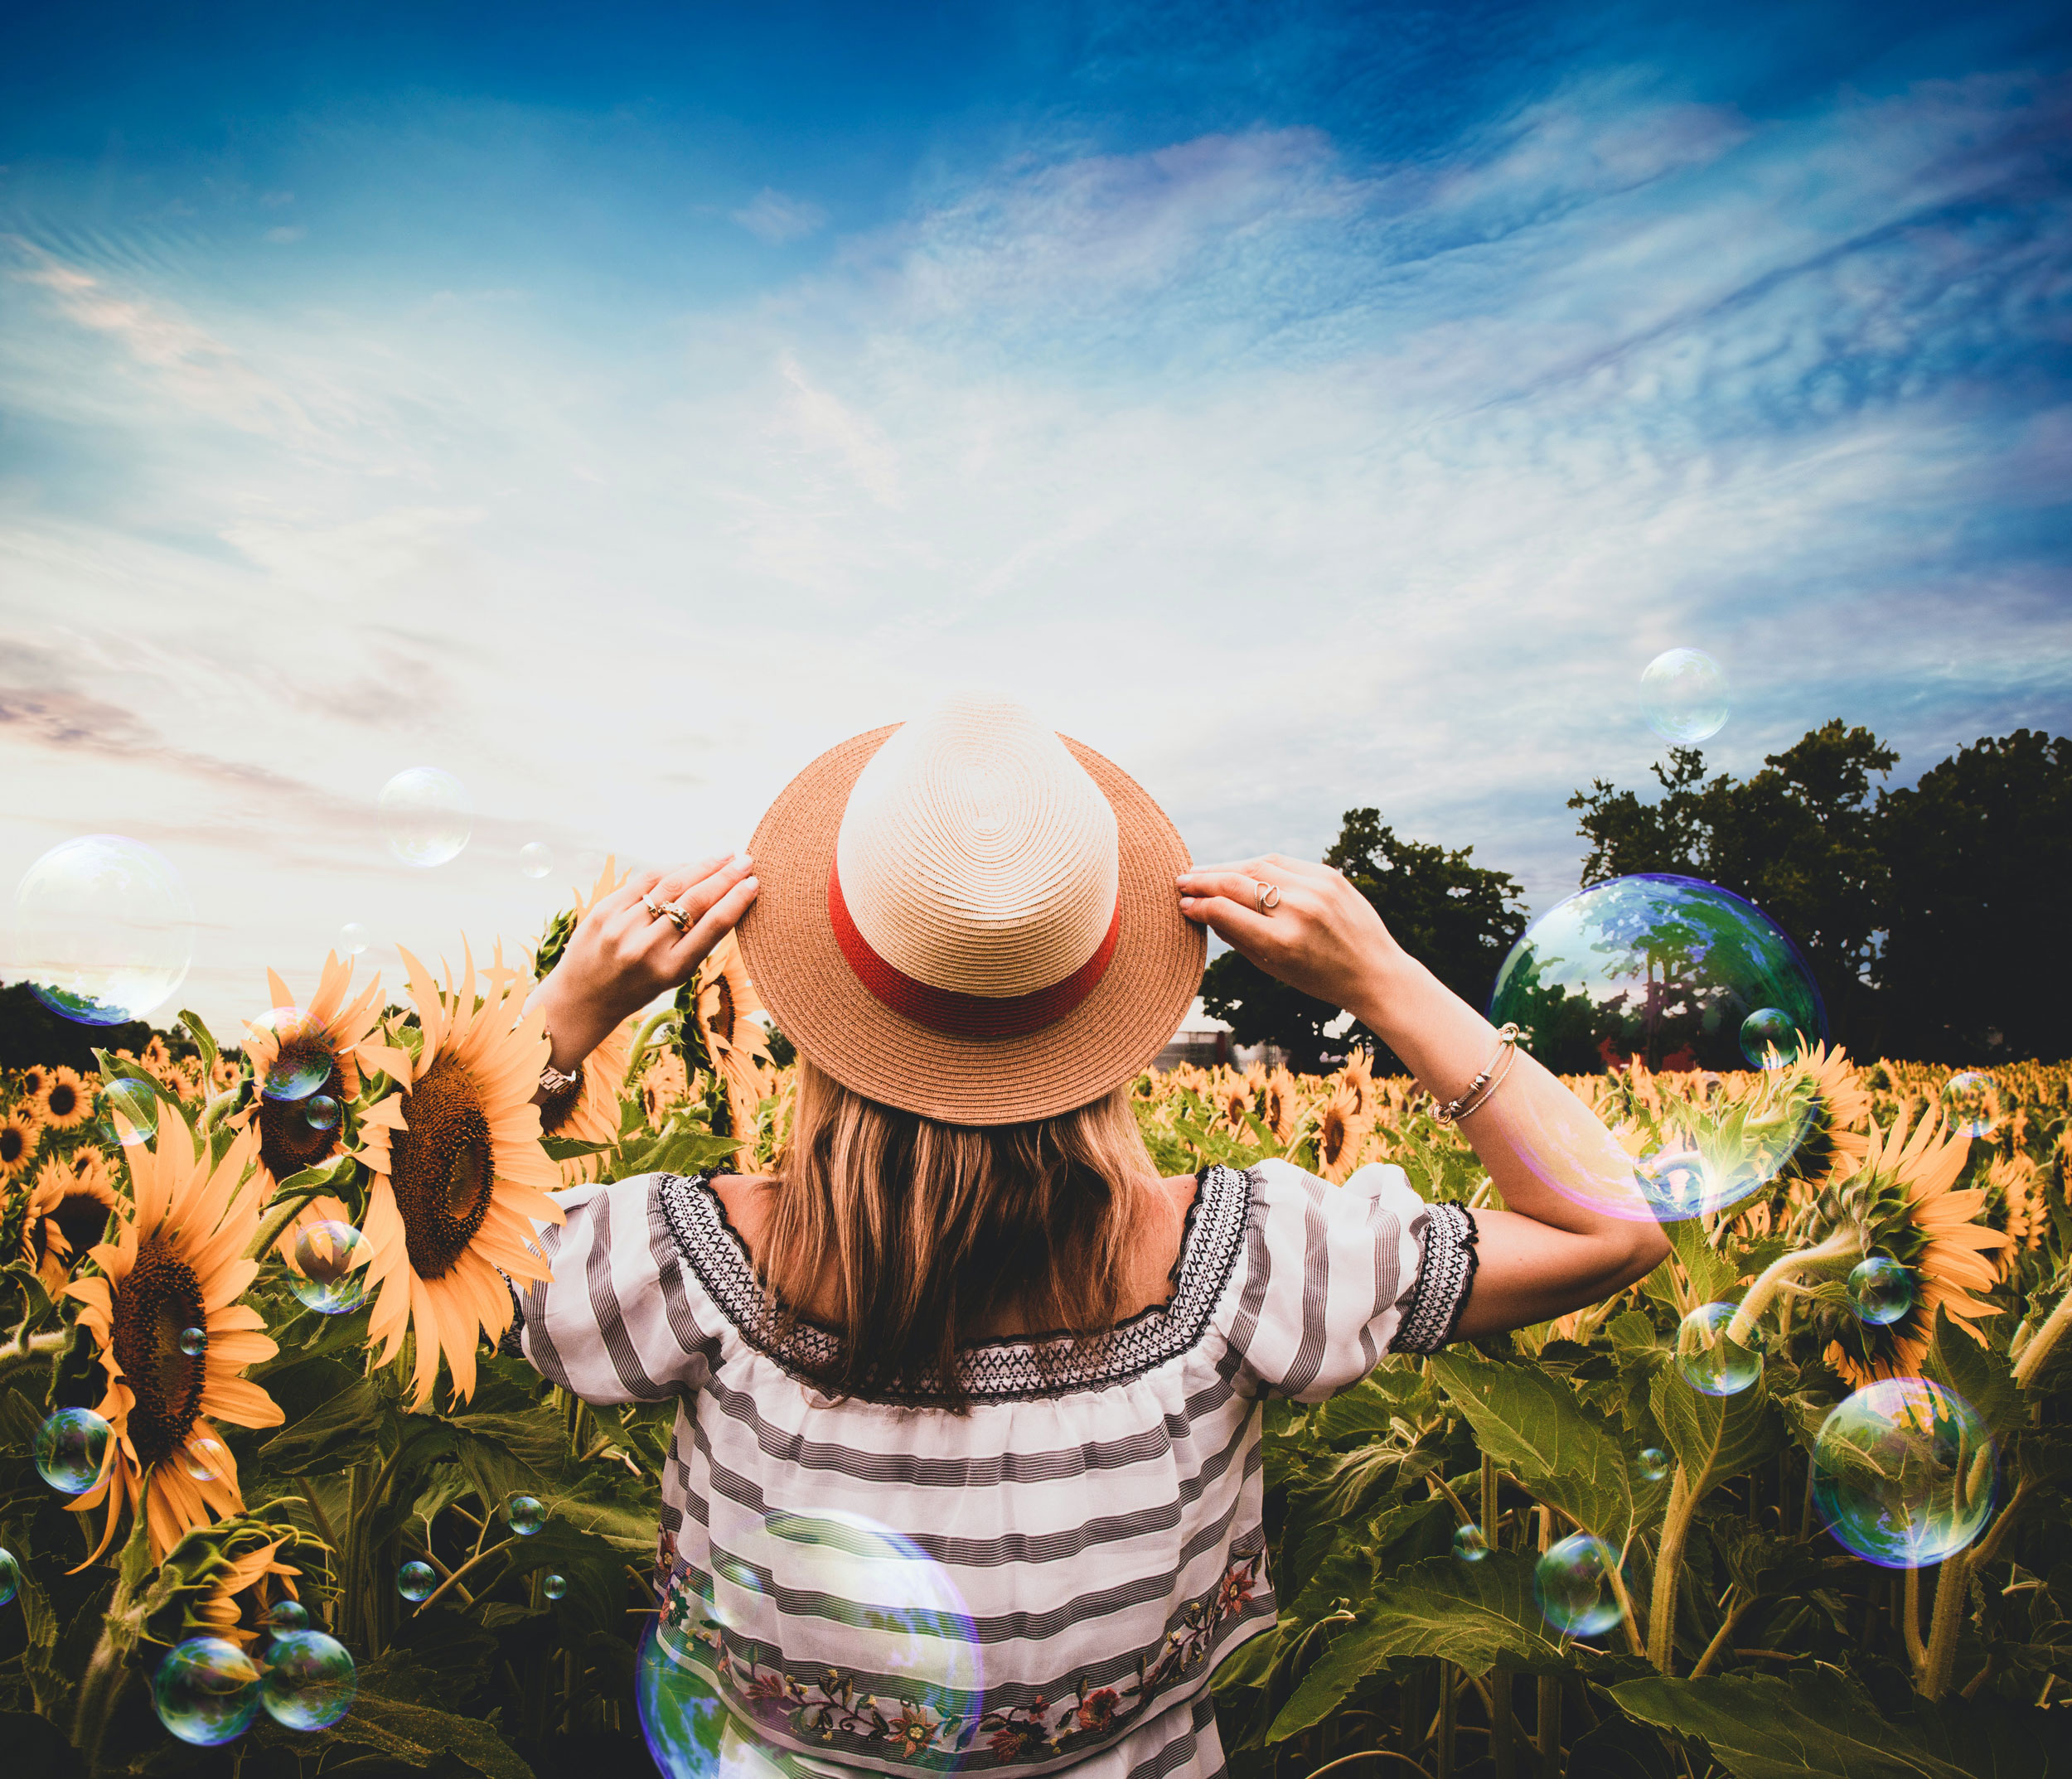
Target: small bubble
x: 1654, y: 1464
x: 1973, y: 1101
x: 206, y: 1460
x: 288, y: 1615
x: 70, y: 1447
x: 206, y: 1692
x: 1576, y: 1585
x: 1880, y: 1290
x: 424, y: 816
x: 302, y: 1061
x: 311, y: 1680
x: 554, y: 1586
x: 416, y: 1581
x: 327, y: 1253
x: 1708, y: 1360
x: 194, y: 1342
x: 1768, y: 1038
x: 1683, y: 693
x: 321, y: 1112
x: 352, y: 939
x: 129, y: 1112
x: 1469, y: 1545
x: 535, y: 858
x: 9, y: 1576
x: 527, y: 1515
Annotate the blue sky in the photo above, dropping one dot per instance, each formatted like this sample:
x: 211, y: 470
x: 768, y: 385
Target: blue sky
x: 1309, y: 405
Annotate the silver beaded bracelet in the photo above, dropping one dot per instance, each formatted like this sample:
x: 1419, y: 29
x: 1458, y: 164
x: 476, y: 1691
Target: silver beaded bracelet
x: 1477, y: 1091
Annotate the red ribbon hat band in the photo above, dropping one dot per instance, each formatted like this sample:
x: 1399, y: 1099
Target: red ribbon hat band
x: 948, y: 1011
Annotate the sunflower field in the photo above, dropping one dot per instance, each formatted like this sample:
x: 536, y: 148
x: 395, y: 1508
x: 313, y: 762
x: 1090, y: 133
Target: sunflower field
x: 1795, y: 1502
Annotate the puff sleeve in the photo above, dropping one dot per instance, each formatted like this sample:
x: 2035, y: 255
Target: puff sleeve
x: 622, y: 1319
x: 1335, y: 1276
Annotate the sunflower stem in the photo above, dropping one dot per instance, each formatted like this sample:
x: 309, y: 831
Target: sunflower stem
x: 1845, y: 1243
x: 282, y: 1212
x: 472, y: 1563
x: 1662, y: 1605
x: 2039, y: 1343
x: 32, y: 1349
x: 649, y: 1027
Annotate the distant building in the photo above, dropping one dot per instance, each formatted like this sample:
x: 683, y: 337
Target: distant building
x: 1200, y: 1040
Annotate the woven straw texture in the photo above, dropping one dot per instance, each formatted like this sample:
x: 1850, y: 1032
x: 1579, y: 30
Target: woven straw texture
x: 788, y: 944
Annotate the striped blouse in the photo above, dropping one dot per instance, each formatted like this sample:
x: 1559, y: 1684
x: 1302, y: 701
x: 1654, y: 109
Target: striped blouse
x: 1046, y: 1581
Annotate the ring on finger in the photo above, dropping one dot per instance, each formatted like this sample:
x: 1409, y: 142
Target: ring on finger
x: 678, y: 914
x: 1267, y: 895
x: 656, y: 910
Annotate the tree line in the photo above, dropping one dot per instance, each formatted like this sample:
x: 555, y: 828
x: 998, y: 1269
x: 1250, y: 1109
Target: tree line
x: 1932, y: 916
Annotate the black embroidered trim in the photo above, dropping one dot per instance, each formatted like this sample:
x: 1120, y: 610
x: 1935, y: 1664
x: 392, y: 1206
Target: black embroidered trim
x: 1002, y: 1370
x: 1442, y: 1281
x: 510, y: 1345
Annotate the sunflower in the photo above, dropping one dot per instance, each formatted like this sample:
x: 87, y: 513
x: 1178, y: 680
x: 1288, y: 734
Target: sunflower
x: 459, y: 1177
x: 175, y: 1262
x: 68, y: 1212
x: 1824, y: 1092
x: 590, y: 1112
x: 1904, y: 1199
x: 663, y: 1083
x: 1358, y: 1079
x: 1340, y: 1134
x: 2014, y: 1179
x: 733, y: 1037
x: 33, y: 1081
x: 218, y: 1614
x: 1278, y: 1105
x: 67, y: 1101
x: 1234, y: 1101
x: 346, y: 1040
x: 20, y: 1133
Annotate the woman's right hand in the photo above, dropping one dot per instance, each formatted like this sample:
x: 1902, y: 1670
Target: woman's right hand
x: 1323, y: 937
x: 620, y: 956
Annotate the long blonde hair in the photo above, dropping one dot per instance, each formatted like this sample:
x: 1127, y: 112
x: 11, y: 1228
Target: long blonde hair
x: 934, y: 1229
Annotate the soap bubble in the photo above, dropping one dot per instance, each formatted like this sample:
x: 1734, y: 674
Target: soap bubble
x: 352, y: 939
x: 891, y: 1612
x: 424, y: 816
x: 1973, y: 1101
x: 311, y: 1680
x: 331, y: 1280
x: 288, y: 1615
x: 527, y: 1515
x: 416, y: 1580
x: 9, y: 1576
x: 1576, y: 1583
x: 320, y: 1113
x: 1664, y: 970
x: 70, y: 1447
x: 194, y: 1342
x: 303, y: 1059
x: 104, y: 931
x: 1903, y: 1472
x: 206, y: 1460
x: 130, y: 1112
x: 1469, y: 1545
x: 535, y: 858
x: 1768, y: 1038
x: 206, y: 1691
x: 1684, y: 695
x: 1709, y: 1361
x: 1880, y: 1290
x: 1654, y: 1464
x: 554, y: 1586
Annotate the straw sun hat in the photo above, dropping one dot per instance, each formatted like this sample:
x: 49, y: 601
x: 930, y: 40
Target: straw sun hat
x: 971, y: 917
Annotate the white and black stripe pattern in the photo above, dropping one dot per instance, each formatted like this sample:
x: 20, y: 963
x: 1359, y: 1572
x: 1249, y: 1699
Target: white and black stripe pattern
x: 1094, y: 1521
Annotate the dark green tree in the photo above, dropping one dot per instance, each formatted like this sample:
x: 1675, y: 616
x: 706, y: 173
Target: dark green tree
x: 1975, y: 966
x: 1456, y: 918
x: 1801, y: 839
x: 30, y: 1032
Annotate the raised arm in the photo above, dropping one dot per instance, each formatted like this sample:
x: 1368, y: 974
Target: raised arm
x: 622, y: 955
x: 1578, y: 1229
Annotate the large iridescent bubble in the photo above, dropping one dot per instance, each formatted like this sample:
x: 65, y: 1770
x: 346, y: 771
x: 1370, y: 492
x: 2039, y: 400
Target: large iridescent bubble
x: 424, y: 816
x: 103, y: 929
x: 836, y: 1592
x: 1683, y: 693
x: 1903, y: 1472
x: 1578, y: 1587
x: 1666, y: 971
x: 206, y: 1691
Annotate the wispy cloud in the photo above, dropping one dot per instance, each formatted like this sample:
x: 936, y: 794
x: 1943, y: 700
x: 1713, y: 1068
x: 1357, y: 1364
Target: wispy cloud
x: 777, y: 218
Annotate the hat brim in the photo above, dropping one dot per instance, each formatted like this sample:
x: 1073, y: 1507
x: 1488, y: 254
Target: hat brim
x: 788, y: 942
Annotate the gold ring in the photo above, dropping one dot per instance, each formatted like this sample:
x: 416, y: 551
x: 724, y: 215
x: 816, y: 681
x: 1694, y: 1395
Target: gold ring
x: 656, y: 910
x: 1267, y: 895
x: 678, y: 913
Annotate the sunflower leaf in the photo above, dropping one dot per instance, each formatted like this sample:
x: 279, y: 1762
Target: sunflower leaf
x: 204, y: 1039
x: 1713, y: 1437
x: 569, y: 1149
x: 1982, y: 1376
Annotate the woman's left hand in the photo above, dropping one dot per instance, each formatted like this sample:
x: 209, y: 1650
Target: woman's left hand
x: 622, y: 956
